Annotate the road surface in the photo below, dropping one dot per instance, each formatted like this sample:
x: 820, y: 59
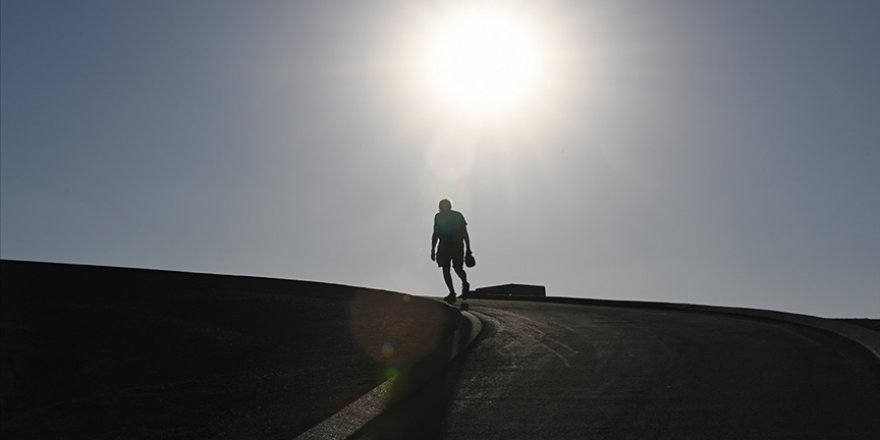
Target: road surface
x: 567, y: 371
x: 90, y: 352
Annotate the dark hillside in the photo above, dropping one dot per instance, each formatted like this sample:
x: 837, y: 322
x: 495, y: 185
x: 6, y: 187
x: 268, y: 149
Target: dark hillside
x: 98, y: 352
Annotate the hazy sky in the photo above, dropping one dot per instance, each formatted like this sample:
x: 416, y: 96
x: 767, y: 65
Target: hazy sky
x: 688, y: 151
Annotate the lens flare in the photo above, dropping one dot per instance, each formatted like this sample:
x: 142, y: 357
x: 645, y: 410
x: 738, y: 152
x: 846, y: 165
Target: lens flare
x: 392, y: 373
x: 387, y: 350
x: 393, y: 330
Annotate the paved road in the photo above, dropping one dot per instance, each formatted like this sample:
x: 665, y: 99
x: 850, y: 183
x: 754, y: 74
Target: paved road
x: 96, y: 353
x: 563, y: 371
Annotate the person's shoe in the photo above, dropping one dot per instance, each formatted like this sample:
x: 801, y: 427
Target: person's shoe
x: 465, y: 289
x: 450, y: 298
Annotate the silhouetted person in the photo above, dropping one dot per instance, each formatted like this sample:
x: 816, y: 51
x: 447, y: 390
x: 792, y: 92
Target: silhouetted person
x: 450, y: 229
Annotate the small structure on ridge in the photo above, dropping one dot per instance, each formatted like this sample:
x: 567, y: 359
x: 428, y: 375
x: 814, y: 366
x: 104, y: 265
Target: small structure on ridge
x: 510, y: 291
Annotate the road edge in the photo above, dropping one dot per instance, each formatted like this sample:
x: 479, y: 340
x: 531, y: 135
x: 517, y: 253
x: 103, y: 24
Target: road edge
x: 364, y: 409
x: 867, y: 338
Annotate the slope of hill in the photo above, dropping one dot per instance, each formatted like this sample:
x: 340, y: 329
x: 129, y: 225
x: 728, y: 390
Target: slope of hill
x: 104, y: 352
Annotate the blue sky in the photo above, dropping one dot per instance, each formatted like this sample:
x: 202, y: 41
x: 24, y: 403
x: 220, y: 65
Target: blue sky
x: 724, y: 153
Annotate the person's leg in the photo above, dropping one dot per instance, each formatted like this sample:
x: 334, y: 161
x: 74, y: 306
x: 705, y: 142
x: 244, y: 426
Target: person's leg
x: 447, y: 277
x: 461, y: 274
x: 457, y: 263
x: 465, y: 286
x: 444, y: 260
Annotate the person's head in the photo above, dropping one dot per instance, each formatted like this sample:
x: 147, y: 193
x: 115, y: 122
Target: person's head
x: 445, y: 205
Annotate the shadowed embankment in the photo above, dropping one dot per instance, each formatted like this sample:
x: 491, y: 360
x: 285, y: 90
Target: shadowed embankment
x: 103, y: 352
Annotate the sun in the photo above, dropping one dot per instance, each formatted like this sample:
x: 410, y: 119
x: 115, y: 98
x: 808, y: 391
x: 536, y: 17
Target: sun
x: 482, y: 61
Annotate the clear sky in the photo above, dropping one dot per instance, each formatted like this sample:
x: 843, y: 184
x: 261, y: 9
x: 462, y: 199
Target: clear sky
x: 689, y: 151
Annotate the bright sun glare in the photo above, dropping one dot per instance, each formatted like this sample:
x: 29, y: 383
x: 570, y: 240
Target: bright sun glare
x: 482, y: 61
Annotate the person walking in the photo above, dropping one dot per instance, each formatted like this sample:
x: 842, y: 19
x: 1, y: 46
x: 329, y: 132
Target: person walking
x: 450, y: 230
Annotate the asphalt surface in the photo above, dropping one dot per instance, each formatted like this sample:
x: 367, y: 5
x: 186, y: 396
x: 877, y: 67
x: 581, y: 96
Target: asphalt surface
x: 565, y: 371
x: 111, y: 353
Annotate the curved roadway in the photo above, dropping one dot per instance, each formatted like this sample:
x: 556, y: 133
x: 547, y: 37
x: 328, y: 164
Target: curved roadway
x: 567, y: 371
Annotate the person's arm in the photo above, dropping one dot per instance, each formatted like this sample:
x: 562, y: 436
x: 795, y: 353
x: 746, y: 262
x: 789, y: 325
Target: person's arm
x: 434, y: 239
x: 464, y: 234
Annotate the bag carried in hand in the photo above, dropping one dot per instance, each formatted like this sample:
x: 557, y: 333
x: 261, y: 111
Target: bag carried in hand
x: 469, y: 260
